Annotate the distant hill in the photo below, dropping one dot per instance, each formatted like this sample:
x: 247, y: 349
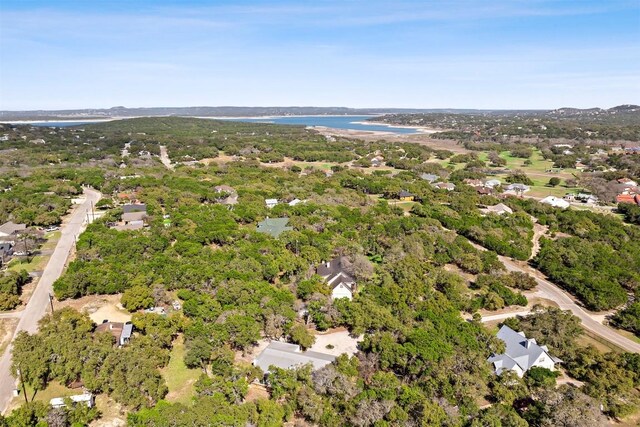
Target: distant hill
x: 224, y: 111
x: 228, y: 111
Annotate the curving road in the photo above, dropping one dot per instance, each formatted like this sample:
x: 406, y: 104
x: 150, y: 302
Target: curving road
x: 565, y: 301
x: 38, y: 304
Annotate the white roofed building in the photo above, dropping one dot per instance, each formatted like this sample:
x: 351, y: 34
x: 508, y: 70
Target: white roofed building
x: 556, y: 202
x: 290, y: 356
x: 521, y: 354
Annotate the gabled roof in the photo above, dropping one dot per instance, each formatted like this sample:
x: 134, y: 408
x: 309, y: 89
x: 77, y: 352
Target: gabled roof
x: 274, y: 226
x: 405, y: 193
x: 335, y: 273
x: 10, y: 227
x: 290, y: 356
x: 555, y: 202
x: 499, y: 209
x: 520, y: 351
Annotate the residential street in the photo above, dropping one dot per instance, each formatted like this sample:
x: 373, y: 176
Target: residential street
x: 38, y: 304
x: 552, y: 292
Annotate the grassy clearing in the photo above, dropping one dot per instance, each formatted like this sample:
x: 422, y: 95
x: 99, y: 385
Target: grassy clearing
x: 587, y: 338
x: 180, y: 379
x: 52, y: 240
x: 32, y: 263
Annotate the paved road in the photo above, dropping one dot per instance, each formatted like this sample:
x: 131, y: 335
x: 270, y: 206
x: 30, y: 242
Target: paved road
x: 565, y: 301
x: 38, y: 304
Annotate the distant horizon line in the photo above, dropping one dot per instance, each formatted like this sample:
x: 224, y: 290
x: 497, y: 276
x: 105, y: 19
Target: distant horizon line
x: 106, y: 109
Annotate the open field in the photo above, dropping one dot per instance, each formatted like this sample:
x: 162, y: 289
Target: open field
x: 180, y: 379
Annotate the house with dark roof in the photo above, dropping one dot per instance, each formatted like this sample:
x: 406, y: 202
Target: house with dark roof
x: 120, y: 331
x: 337, y: 277
x: 290, y: 356
x: 274, y: 226
x: 406, y: 196
x: 521, y: 354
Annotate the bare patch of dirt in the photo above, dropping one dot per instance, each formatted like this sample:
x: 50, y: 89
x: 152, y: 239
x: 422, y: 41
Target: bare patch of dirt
x: 99, y: 307
x: 7, y: 327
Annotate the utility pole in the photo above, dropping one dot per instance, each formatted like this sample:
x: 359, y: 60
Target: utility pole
x: 51, y: 302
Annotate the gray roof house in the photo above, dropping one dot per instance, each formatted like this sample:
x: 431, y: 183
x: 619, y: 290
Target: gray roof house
x: 290, y: 356
x: 517, y: 187
x: 521, y: 354
x: 342, y: 284
x: 10, y: 227
x: 429, y: 177
x: 274, y: 226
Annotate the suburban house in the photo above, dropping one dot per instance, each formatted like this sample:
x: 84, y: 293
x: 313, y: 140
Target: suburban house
x: 429, y: 177
x: 274, y: 226
x: 517, y: 188
x: 271, y: 202
x: 134, y: 213
x: 405, y: 196
x: 449, y: 186
x: 499, y: 209
x: 232, y: 196
x: 10, y: 228
x: 492, y: 183
x: 342, y: 284
x: 521, y: 354
x: 85, y: 399
x: 295, y: 202
x: 474, y: 182
x: 628, y: 198
x: 290, y: 356
x: 556, y: 202
x: 120, y: 331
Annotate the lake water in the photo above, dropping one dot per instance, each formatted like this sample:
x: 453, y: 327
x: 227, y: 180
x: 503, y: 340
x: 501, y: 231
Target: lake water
x: 336, y: 122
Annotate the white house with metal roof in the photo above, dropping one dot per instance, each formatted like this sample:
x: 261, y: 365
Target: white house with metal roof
x: 521, y: 354
x: 290, y: 356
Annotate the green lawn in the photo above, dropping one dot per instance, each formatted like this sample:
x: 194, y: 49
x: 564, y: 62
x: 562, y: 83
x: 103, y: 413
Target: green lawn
x: 32, y: 263
x: 180, y: 379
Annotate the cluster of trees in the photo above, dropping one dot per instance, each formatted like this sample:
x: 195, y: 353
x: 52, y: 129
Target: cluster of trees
x: 419, y: 361
x: 491, y: 126
x: 66, y: 349
x: 508, y: 235
x: 11, y: 284
x: 599, y: 262
x: 631, y: 212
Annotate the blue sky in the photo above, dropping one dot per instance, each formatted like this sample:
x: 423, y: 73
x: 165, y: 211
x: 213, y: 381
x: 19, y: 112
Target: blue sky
x: 421, y: 54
